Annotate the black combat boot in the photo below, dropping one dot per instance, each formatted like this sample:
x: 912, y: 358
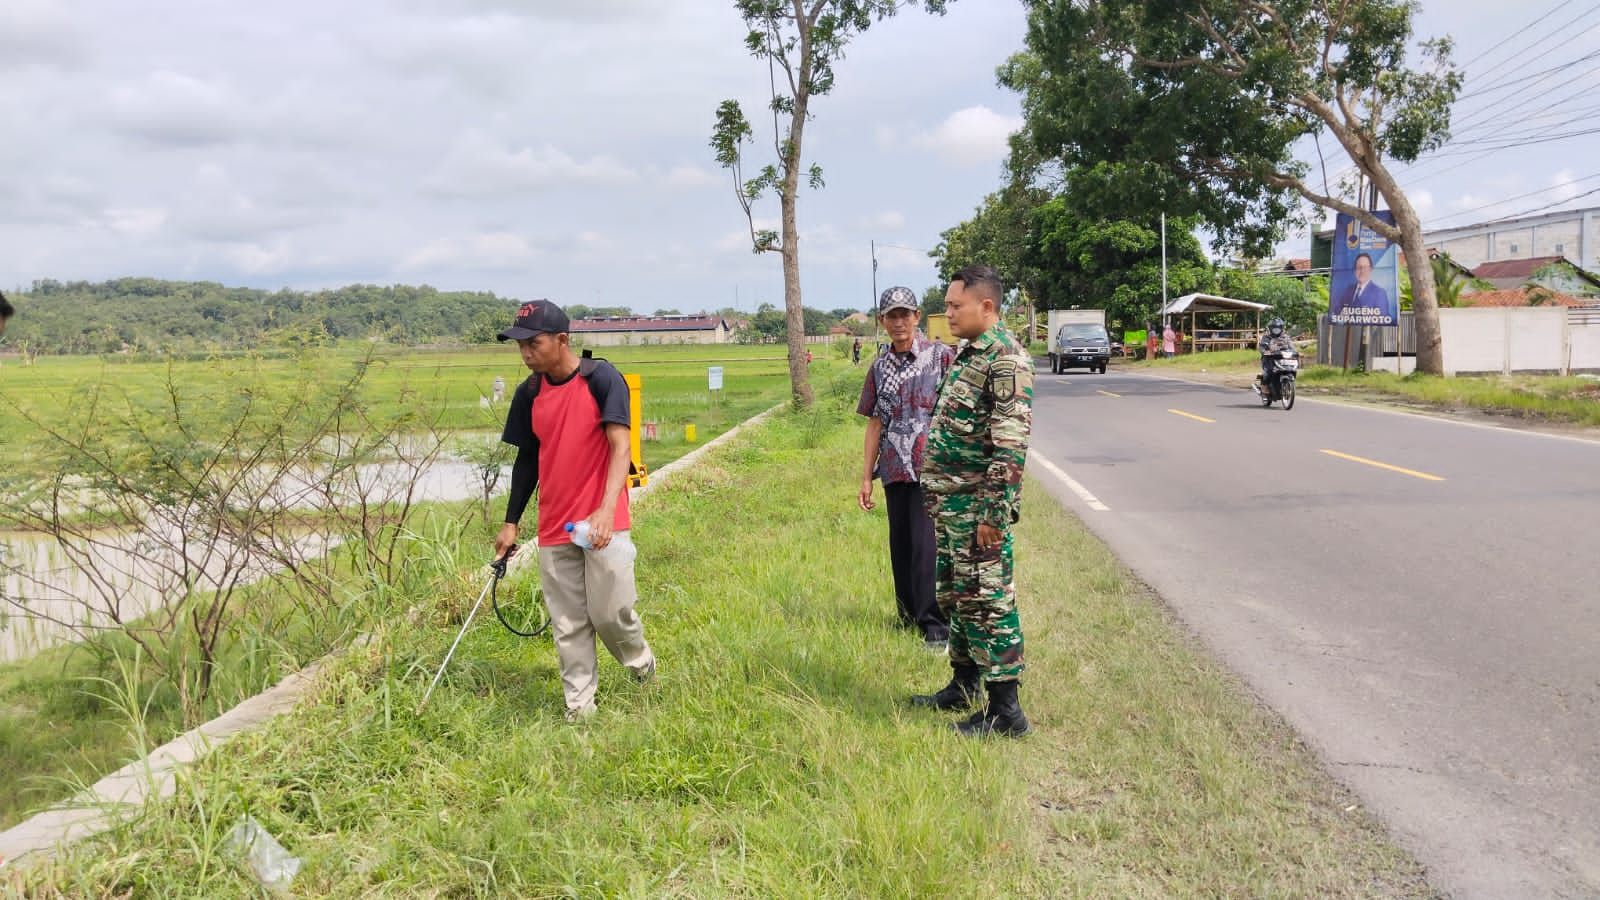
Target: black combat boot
x: 1002, y: 716
x: 960, y: 693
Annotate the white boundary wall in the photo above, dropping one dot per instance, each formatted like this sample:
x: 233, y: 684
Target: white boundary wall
x: 1517, y: 339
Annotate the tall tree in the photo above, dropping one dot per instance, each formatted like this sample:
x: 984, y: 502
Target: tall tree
x: 1112, y: 264
x: 1194, y: 106
x: 800, y: 40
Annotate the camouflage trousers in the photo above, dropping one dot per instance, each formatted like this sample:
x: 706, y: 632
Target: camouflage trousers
x: 976, y: 590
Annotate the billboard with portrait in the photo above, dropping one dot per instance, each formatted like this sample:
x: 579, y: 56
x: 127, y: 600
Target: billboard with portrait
x: 1365, y: 284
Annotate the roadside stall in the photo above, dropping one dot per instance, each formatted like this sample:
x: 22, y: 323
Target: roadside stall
x: 1212, y: 322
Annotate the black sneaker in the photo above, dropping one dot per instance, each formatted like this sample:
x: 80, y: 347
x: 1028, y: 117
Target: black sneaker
x: 936, y: 640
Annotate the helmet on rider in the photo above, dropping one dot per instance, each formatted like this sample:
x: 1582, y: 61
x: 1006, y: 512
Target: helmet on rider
x: 1275, y: 327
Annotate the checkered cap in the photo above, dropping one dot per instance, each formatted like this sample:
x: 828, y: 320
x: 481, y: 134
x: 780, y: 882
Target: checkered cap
x: 898, y: 298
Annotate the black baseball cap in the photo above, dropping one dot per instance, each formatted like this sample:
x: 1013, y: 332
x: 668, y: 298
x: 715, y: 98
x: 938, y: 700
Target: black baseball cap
x: 536, y: 317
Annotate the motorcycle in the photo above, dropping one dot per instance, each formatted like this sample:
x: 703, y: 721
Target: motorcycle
x: 1279, y: 387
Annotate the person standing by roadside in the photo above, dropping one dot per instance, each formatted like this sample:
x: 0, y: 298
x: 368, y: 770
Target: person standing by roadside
x: 855, y: 352
x: 898, y: 397
x: 1169, y: 342
x: 972, y: 480
x: 569, y: 422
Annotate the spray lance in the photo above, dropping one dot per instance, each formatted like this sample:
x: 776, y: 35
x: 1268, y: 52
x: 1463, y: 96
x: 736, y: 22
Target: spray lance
x: 497, y: 571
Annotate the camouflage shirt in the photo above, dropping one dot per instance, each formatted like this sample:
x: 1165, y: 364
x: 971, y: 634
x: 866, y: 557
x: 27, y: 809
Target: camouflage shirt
x: 978, y: 442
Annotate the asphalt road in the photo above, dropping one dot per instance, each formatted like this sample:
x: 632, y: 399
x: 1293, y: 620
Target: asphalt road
x: 1420, y: 598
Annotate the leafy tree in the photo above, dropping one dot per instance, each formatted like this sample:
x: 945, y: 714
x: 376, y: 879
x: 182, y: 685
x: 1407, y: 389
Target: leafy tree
x: 998, y: 234
x: 1111, y: 264
x: 800, y: 40
x: 817, y: 321
x: 1295, y: 301
x: 1194, y: 108
x: 667, y: 312
x: 933, y: 300
x: 767, y: 326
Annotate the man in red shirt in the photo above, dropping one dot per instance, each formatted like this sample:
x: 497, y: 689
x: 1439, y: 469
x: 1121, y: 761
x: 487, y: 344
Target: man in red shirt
x: 569, y: 422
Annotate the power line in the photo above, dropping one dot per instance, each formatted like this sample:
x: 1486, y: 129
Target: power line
x: 1537, y: 209
x: 1513, y: 35
x: 1514, y: 56
x: 1540, y: 75
x: 1505, y: 200
x: 1486, y: 115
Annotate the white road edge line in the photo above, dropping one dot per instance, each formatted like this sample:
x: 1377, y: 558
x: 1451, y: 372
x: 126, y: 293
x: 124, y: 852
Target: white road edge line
x: 1080, y: 490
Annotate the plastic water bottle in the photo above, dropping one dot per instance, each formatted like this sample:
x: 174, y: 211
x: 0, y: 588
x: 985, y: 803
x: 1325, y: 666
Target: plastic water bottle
x: 267, y: 860
x: 580, y: 533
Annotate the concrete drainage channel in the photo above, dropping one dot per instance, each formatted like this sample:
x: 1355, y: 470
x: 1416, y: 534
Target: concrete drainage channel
x: 121, y: 794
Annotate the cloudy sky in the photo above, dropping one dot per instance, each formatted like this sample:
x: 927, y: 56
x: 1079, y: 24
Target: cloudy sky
x: 558, y: 148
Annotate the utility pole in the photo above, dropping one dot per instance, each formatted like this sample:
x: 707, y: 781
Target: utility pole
x: 1163, y: 271
x: 874, y: 303
x: 872, y: 307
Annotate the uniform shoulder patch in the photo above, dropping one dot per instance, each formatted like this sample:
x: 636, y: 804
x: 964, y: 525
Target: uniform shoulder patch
x: 1003, y: 380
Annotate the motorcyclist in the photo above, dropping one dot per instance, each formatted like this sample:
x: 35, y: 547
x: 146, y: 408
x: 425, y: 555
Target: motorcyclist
x: 1274, y: 340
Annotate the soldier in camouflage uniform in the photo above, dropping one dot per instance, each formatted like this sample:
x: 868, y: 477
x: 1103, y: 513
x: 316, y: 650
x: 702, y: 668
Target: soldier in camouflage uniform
x: 972, y: 484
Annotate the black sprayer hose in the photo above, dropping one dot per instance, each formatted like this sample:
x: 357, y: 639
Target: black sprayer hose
x: 499, y: 569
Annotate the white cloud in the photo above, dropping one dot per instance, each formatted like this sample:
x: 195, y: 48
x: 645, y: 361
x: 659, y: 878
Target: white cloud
x: 261, y: 259
x: 972, y: 136
x: 889, y: 220
x: 688, y: 176
x: 38, y: 32
x: 494, y: 250
x: 141, y: 222
x: 172, y: 108
x: 1423, y: 201
x: 478, y: 165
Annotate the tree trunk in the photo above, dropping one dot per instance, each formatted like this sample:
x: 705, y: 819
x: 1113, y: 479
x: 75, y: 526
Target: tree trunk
x: 789, y: 153
x: 793, y: 309
x: 1424, y: 298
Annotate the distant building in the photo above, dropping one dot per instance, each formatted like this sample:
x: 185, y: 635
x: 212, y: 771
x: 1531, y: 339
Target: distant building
x: 614, y: 331
x: 1571, y: 234
x: 1519, y: 297
x: 1554, y: 272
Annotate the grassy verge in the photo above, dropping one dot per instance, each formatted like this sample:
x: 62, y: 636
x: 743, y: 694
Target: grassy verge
x: 776, y: 757
x: 66, y: 721
x: 62, y: 723
x: 454, y: 383
x: 1535, y: 398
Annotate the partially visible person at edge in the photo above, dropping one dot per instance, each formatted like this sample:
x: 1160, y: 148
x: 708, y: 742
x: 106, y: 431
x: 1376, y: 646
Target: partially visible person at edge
x: 972, y: 479
x: 898, y: 396
x: 569, y: 423
x: 6, y: 312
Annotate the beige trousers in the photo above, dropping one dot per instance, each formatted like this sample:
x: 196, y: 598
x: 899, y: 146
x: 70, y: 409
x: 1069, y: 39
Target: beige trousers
x: 588, y: 593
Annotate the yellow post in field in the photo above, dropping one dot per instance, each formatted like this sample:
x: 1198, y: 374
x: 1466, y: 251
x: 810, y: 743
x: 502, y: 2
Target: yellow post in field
x: 688, y: 432
x: 640, y: 475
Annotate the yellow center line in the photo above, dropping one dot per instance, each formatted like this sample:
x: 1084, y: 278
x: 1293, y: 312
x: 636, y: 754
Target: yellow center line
x: 1108, y: 394
x: 1371, y: 462
x: 1179, y: 412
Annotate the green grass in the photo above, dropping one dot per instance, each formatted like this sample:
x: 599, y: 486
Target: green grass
x: 1212, y: 361
x: 777, y: 756
x: 1537, y: 398
x: 58, y: 730
x: 452, y: 383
